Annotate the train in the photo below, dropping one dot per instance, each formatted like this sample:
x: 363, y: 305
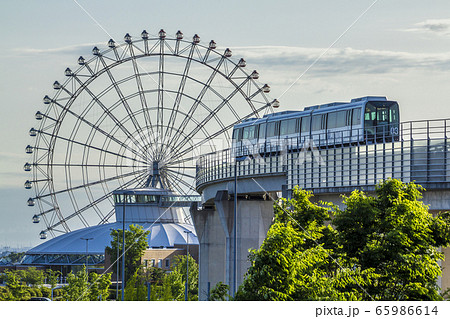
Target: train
x: 369, y: 119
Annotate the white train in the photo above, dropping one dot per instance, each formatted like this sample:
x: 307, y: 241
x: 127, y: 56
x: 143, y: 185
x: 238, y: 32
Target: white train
x: 363, y: 120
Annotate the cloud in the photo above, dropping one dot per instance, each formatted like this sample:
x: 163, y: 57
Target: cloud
x: 298, y: 59
x: 69, y: 50
x: 432, y: 26
x: 341, y: 60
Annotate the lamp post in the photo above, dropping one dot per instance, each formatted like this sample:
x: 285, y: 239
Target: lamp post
x: 117, y: 265
x: 187, y: 264
x: 87, y: 259
x: 123, y: 247
x: 237, y: 159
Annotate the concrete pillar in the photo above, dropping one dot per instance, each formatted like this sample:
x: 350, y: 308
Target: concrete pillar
x: 211, y: 249
x: 254, y: 217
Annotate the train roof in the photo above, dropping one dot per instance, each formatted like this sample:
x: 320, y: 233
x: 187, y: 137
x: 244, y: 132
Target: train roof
x: 317, y: 109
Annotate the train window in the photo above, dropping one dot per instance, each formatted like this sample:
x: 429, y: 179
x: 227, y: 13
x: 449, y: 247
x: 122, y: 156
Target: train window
x: 272, y: 129
x: 356, y: 117
x: 383, y: 115
x: 393, y: 116
x: 331, y: 120
x: 288, y: 127
x: 316, y: 122
x: 306, y: 121
x: 370, y: 114
x: 262, y: 131
x: 237, y: 134
x: 249, y: 132
x: 340, y: 118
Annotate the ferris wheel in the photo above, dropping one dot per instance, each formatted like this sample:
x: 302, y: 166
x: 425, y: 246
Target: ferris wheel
x: 136, y: 114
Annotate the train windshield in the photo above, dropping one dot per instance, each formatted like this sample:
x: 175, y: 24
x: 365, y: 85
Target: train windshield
x: 381, y: 119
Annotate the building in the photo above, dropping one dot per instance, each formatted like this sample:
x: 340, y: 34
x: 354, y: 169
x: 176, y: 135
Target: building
x: 157, y: 210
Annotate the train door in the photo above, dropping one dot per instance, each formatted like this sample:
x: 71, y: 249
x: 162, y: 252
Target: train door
x: 305, y: 130
x: 357, y: 133
x: 237, y: 142
x: 272, y: 137
x: 249, y: 140
x: 318, y: 132
x: 288, y: 133
x: 337, y: 128
x: 262, y: 138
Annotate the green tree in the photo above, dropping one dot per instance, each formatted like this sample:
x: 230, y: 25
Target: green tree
x: 135, y: 244
x: 80, y: 289
x: 99, y: 286
x: 77, y: 286
x: 177, y: 278
x: 381, y: 248
x: 136, y: 289
x: 219, y: 292
x: 297, y: 260
x: 53, y: 277
x: 17, y: 290
x: 395, y: 236
x: 14, y: 257
x: 32, y: 276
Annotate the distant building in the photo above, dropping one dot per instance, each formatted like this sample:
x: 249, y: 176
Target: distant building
x: 157, y: 210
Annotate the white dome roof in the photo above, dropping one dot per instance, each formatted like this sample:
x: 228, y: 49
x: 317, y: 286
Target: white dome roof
x: 161, y: 235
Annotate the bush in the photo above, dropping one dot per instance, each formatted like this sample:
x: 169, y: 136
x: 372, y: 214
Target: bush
x: 46, y: 292
x: 5, y: 294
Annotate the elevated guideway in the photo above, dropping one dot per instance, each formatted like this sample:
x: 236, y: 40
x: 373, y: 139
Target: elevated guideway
x: 421, y: 153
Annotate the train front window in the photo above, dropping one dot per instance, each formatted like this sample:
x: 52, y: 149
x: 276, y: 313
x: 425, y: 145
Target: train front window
x: 381, y: 113
x: 393, y: 113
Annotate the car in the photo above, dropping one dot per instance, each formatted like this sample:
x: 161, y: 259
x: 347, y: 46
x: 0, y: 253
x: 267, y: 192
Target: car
x: 39, y: 299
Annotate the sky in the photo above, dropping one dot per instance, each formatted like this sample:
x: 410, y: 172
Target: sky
x: 309, y: 52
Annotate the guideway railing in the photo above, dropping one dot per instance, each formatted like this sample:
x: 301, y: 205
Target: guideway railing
x: 413, y: 151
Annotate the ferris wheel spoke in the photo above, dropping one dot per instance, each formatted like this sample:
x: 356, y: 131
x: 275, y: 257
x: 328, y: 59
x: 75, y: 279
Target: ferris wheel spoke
x: 180, y: 93
x: 180, y: 173
x: 117, y: 122
x: 97, y: 129
x: 160, y: 104
x: 107, y: 216
x: 96, y: 202
x: 173, y: 185
x: 179, y: 180
x: 140, y: 87
x: 218, y: 133
x: 199, y: 98
x: 70, y: 141
x: 122, y: 99
x: 196, y: 123
x: 105, y: 180
x: 212, y: 114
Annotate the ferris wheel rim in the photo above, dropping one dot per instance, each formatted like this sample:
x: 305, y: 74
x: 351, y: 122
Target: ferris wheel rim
x: 44, y: 164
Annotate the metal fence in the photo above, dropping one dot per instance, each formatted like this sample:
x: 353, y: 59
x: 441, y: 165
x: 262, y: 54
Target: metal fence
x: 420, y: 152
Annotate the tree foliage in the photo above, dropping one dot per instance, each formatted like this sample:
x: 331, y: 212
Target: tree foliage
x: 219, y: 292
x: 379, y: 248
x: 23, y: 284
x: 135, y: 244
x: 79, y: 288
